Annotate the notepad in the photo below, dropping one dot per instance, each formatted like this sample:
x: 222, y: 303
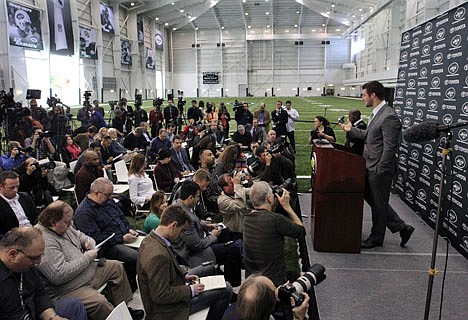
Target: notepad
x: 213, y: 282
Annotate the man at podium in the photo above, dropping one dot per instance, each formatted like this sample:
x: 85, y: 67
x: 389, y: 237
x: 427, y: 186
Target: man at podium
x: 381, y: 143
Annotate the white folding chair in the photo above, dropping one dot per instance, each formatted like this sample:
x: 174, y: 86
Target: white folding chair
x: 72, y: 165
x: 200, y: 315
x: 121, y: 172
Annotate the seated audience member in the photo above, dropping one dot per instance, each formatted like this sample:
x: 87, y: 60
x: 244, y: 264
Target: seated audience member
x: 14, y: 158
x: 232, y: 203
x: 122, y: 122
x: 253, y: 146
x: 213, y: 191
x: 189, y: 132
x: 20, y: 250
x: 89, y: 172
x: 17, y: 209
x: 157, y: 205
x: 171, y: 130
x: 97, y: 119
x: 200, y: 241
x: 257, y: 300
x: 180, y: 157
x: 145, y: 135
x: 159, y: 142
x: 133, y: 141
x: 69, y: 268
x: 117, y: 147
x: 41, y: 145
x: 34, y: 181
x: 139, y: 183
x: 322, y: 130
x: 96, y: 147
x: 107, y: 152
x: 242, y: 137
x: 356, y: 145
x: 40, y: 114
x: 70, y: 150
x: 206, y: 141
x: 264, y: 233
x: 101, y: 134
x: 166, y: 172
x: 99, y: 216
x: 167, y: 291
x: 227, y: 160
x: 271, y: 137
x: 83, y: 140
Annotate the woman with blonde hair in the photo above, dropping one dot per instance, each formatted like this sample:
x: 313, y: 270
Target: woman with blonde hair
x: 139, y: 183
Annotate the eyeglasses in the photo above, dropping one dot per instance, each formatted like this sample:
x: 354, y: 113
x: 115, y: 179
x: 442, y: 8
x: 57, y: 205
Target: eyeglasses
x: 106, y: 194
x: 33, y: 258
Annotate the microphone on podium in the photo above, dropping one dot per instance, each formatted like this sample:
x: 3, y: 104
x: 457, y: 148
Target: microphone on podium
x: 428, y: 131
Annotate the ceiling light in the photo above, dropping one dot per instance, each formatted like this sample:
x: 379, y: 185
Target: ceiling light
x: 222, y: 27
x: 249, y: 27
x: 295, y: 26
x: 157, y: 18
x: 172, y: 3
x: 174, y: 29
x: 189, y: 16
x: 181, y: 10
x: 287, y: 30
x: 313, y: 30
x: 267, y: 13
x: 328, y: 12
x: 266, y: 0
x: 360, y: 9
x: 332, y: 5
x: 244, y: 1
x: 246, y: 13
x: 323, y: 24
x: 297, y: 12
x: 268, y: 25
x: 338, y: 30
x: 132, y: 4
x: 370, y: 8
x: 353, y: 16
x: 166, y: 24
x: 196, y: 28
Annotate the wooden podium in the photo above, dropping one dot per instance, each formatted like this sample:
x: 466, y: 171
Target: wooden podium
x: 337, y: 199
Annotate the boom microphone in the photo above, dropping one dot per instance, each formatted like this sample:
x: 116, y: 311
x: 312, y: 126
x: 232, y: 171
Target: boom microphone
x: 428, y: 131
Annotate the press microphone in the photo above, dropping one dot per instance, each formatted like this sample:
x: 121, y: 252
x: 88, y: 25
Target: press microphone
x: 428, y: 131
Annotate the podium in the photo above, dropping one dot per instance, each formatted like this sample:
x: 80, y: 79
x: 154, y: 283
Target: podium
x: 338, y: 182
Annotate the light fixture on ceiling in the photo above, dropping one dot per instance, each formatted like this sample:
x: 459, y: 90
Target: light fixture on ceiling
x: 360, y: 9
x: 132, y: 4
x: 323, y: 24
x: 297, y: 12
x: 268, y: 25
x: 333, y: 5
x: 287, y: 30
x: 353, y: 16
x: 295, y: 26
x: 313, y: 30
x: 181, y: 10
x: 267, y: 13
x: 174, y: 29
x: 338, y: 29
x: 166, y: 24
x: 328, y: 12
x: 157, y: 18
x: 189, y: 16
x: 196, y: 28
x: 172, y: 3
x: 249, y: 27
x: 222, y: 27
x: 246, y: 13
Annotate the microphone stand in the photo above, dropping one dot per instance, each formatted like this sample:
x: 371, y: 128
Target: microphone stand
x: 432, y: 271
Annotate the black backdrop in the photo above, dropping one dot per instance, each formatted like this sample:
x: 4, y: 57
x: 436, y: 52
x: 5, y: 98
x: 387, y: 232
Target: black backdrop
x: 432, y: 85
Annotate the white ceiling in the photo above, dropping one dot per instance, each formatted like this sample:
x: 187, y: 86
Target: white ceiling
x: 327, y: 15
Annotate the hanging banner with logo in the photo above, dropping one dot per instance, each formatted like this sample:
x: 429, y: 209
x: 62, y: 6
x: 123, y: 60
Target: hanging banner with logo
x: 24, y: 26
x: 432, y: 85
x: 141, y: 35
x: 125, y: 52
x: 88, y: 38
x: 107, y: 18
x: 60, y: 27
x: 159, y: 40
x: 149, y: 58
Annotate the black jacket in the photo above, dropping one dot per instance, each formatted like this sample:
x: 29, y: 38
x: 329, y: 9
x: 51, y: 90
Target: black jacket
x: 8, y: 218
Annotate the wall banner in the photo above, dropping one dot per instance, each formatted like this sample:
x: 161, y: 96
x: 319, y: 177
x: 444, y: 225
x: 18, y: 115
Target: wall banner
x: 24, y: 26
x: 432, y: 85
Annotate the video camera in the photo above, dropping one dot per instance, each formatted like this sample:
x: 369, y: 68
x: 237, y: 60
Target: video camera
x: 237, y: 106
x: 157, y: 102
x: 87, y: 94
x: 138, y: 100
x: 181, y: 102
x: 112, y: 104
x: 304, y: 283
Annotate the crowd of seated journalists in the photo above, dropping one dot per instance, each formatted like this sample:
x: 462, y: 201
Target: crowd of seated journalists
x: 174, y: 157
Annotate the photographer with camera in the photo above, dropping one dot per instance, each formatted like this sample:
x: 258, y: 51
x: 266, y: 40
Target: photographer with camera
x: 33, y: 180
x: 14, y: 158
x: 40, y: 114
x: 41, y: 144
x: 274, y: 167
x: 257, y: 300
x: 264, y: 232
x: 243, y: 115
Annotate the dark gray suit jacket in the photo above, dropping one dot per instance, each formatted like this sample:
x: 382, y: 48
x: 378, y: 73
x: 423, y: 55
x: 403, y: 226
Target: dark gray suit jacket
x: 177, y: 161
x: 381, y: 141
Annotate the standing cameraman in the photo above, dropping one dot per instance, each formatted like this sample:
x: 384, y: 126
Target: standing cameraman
x: 40, y: 143
x: 33, y: 180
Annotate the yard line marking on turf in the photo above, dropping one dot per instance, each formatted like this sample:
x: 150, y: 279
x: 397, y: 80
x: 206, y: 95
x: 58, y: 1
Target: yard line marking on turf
x: 394, y: 270
x: 416, y: 254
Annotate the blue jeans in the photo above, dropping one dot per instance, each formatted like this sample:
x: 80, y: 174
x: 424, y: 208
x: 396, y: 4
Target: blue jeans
x: 70, y: 308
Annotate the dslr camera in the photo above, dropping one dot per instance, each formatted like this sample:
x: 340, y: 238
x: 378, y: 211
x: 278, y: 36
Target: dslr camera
x: 45, y: 134
x: 47, y: 165
x: 287, y: 184
x: 304, y: 283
